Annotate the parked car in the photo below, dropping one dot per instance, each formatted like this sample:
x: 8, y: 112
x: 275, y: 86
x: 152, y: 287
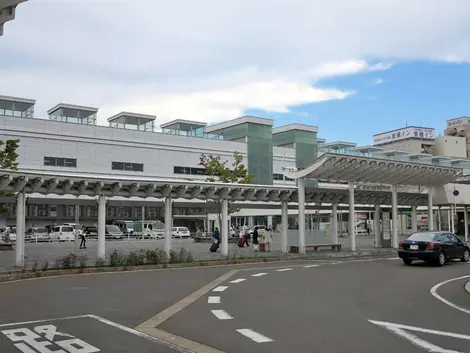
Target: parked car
x: 62, y: 233
x: 76, y: 227
x: 91, y: 231
x: 38, y: 234
x: 11, y: 234
x: 260, y: 229
x: 180, y: 232
x: 113, y: 232
x: 433, y: 247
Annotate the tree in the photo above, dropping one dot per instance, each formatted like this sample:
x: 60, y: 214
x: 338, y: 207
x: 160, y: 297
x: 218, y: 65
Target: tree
x: 8, y: 161
x: 217, y: 171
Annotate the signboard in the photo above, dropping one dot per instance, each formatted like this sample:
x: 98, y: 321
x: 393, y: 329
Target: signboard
x: 458, y: 121
x: 386, y: 234
x: 422, y: 133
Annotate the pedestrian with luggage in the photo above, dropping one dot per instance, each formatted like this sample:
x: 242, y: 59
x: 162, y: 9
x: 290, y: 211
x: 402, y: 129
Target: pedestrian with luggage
x: 216, y: 236
x: 255, y: 240
x: 268, y: 238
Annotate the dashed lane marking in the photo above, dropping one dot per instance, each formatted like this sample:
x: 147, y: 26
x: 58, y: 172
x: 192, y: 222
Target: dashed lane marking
x: 284, y: 269
x: 222, y: 315
x: 220, y: 288
x: 259, y: 274
x: 254, y: 336
x: 238, y: 280
x: 213, y: 300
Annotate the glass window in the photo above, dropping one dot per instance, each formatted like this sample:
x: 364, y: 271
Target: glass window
x: 425, y: 236
x: 60, y: 162
x: 137, y: 167
x: 134, y: 167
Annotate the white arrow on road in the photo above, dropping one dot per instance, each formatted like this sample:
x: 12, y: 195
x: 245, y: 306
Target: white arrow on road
x: 401, y: 330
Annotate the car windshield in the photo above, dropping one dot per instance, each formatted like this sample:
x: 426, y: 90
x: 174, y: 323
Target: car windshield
x: 113, y: 229
x: 424, y: 236
x: 91, y: 229
x: 183, y: 229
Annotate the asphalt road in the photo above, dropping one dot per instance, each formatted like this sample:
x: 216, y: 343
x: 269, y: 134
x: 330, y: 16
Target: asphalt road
x: 309, y: 306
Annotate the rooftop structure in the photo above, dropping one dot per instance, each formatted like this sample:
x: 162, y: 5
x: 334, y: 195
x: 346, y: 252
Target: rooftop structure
x: 295, y: 127
x: 218, y: 128
x: 133, y: 121
x: 184, y: 128
x: 339, y: 145
x: 71, y: 113
x: 8, y: 11
x: 17, y: 107
x: 368, y: 149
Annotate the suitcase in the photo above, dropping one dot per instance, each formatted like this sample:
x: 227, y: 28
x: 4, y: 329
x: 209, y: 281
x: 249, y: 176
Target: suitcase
x: 214, y: 247
x: 241, y: 242
x: 262, y: 247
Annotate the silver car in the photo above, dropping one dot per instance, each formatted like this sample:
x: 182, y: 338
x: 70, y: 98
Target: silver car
x: 38, y: 234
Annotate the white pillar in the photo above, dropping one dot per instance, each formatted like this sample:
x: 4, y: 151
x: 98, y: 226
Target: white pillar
x: 251, y: 221
x: 224, y: 228
x: 414, y: 219
x: 301, y: 191
x: 394, y: 217
x: 465, y: 221
x: 20, y: 228
x: 284, y: 224
x: 143, y: 221
x: 430, y: 215
x: 352, y: 218
x: 101, y: 227
x: 439, y: 218
x: 168, y: 217
x: 334, y: 223
x: 377, y: 233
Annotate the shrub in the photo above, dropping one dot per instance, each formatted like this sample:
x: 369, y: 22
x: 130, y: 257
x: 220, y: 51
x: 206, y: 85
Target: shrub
x: 117, y: 259
x: 173, y: 257
x: 100, y: 262
x: 69, y: 261
x: 35, y: 266
x: 83, y: 260
x: 58, y: 263
x: 45, y: 266
x: 185, y: 256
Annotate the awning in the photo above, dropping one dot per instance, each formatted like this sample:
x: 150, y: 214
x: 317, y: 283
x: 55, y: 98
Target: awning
x: 375, y: 170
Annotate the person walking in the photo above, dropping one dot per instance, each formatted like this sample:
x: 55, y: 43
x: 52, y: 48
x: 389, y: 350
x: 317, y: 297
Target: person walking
x: 255, y: 240
x: 268, y: 238
x: 83, y: 237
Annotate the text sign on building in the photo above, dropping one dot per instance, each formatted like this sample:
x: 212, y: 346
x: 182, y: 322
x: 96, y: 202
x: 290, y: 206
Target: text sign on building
x: 422, y: 133
x: 458, y: 121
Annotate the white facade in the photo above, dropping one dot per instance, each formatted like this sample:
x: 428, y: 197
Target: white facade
x: 450, y: 146
x: 95, y: 148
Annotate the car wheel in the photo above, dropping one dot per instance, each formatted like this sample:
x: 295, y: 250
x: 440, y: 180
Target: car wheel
x: 407, y: 262
x: 441, y: 260
x: 466, y: 256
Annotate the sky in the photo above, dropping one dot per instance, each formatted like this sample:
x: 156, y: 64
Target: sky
x: 352, y: 68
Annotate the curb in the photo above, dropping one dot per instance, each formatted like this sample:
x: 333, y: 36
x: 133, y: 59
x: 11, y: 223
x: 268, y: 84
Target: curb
x: 467, y: 287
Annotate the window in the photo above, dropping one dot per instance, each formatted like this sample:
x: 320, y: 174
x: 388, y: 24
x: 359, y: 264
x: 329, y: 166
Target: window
x: 60, y: 162
x: 189, y: 170
x: 127, y: 166
x: 278, y: 176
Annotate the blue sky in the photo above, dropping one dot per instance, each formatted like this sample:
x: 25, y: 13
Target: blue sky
x: 420, y: 93
x: 313, y: 62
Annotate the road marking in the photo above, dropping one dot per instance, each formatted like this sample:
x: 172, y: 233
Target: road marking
x: 445, y: 301
x: 254, y: 336
x: 222, y: 315
x: 310, y: 266
x: 238, y: 280
x: 259, y: 274
x: 393, y: 258
x: 213, y: 300
x: 220, y: 288
x: 428, y: 346
x: 183, y: 303
x: 284, y: 269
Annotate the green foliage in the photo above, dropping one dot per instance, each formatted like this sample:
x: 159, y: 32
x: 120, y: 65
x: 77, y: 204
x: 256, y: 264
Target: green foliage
x: 69, y: 261
x: 45, y: 266
x: 217, y: 169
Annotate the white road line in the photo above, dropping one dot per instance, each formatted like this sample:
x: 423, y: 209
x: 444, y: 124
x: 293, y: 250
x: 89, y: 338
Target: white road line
x: 213, y: 300
x: 222, y: 315
x: 220, y: 288
x: 445, y: 301
x: 310, y: 266
x: 284, y: 269
x: 254, y: 336
x: 393, y: 258
x: 238, y: 280
x: 259, y: 274
x: 45, y: 320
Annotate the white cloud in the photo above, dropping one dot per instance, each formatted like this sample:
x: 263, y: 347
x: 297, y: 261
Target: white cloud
x: 377, y: 81
x: 212, y: 59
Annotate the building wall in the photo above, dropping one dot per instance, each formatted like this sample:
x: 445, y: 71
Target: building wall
x: 450, y: 146
x: 96, y: 147
x: 411, y: 146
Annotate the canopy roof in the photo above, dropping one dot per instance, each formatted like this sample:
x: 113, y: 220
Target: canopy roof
x: 130, y: 187
x: 395, y: 171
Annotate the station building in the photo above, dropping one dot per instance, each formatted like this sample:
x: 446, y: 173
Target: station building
x: 69, y: 140
x: 8, y: 11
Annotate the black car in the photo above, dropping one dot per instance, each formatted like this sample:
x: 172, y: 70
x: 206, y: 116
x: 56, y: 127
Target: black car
x: 433, y: 247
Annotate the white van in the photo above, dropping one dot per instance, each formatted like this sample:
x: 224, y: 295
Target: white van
x: 126, y: 227
x: 62, y: 233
